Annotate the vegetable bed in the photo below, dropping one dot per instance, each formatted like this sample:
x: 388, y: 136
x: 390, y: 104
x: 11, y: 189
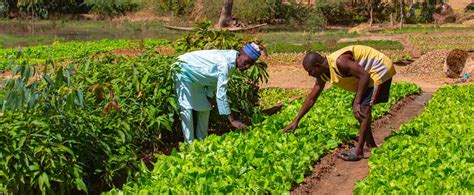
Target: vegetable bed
x: 270, y: 97
x: 432, y: 154
x: 71, y: 50
x: 264, y: 159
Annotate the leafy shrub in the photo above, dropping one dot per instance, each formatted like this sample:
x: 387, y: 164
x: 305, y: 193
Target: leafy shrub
x: 469, y: 7
x: 36, y: 153
x: 300, y: 16
x: 174, y: 7
x: 84, y: 125
x: 296, y: 15
x: 336, y: 13
x: 46, y: 8
x: 427, y: 11
x: 248, y: 11
x: 431, y: 154
x: 257, y: 11
x: 114, y: 7
x: 3, y: 10
x: 137, y: 95
x: 314, y: 21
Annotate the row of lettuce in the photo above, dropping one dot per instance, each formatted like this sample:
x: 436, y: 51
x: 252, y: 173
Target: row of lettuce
x: 264, y: 159
x: 431, y: 154
x: 60, y: 51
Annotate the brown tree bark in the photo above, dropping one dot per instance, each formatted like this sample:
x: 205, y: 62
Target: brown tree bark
x: 371, y: 17
x: 198, y: 9
x: 402, y: 13
x: 226, y: 15
x: 12, y: 8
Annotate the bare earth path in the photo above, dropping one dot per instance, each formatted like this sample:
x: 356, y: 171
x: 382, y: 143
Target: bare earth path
x: 334, y: 176
x: 295, y: 77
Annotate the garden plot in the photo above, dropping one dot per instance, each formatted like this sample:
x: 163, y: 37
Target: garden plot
x: 262, y: 160
x: 431, y: 154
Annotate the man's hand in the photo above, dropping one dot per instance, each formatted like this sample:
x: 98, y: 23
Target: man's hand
x: 212, y: 101
x: 358, y: 112
x: 291, y: 127
x: 239, y: 125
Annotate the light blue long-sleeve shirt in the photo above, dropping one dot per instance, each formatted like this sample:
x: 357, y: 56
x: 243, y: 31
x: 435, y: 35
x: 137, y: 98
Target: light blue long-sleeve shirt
x: 202, y: 74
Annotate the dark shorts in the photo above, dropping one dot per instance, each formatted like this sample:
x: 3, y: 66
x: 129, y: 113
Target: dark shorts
x: 376, y: 94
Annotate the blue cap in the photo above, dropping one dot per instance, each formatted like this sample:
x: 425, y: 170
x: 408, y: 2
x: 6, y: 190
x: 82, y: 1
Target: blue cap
x: 252, y: 50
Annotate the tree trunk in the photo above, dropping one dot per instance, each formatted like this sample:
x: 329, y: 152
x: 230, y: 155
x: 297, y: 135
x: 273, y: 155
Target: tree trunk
x: 226, y: 15
x: 371, y: 12
x: 198, y: 9
x: 12, y: 8
x: 402, y: 13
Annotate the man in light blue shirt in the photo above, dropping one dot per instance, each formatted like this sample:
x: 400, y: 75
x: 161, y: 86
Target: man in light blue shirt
x: 203, y: 74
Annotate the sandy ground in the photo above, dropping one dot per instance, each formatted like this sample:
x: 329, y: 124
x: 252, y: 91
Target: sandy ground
x: 293, y: 76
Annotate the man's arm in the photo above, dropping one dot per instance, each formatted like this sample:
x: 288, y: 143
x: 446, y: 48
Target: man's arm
x: 307, y: 105
x: 221, y: 97
x: 345, y: 63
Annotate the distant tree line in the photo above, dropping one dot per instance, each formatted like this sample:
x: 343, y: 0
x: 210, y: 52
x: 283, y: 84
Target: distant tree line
x: 46, y: 8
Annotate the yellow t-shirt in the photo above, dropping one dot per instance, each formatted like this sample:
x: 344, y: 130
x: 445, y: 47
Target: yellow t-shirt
x: 378, y: 65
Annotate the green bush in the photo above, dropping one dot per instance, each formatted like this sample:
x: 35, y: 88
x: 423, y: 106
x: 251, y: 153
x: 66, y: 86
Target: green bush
x: 83, y: 126
x: 3, y: 10
x: 314, y: 21
x: 248, y: 11
x: 36, y: 138
x: 45, y: 8
x: 301, y: 17
x: 174, y: 7
x: 112, y: 8
x: 427, y: 11
x: 336, y: 13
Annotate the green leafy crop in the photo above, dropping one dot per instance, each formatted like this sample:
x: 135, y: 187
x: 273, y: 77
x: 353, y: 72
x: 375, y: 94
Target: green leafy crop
x: 432, y: 154
x: 264, y: 159
x: 70, y: 50
x: 80, y: 124
x: 272, y: 96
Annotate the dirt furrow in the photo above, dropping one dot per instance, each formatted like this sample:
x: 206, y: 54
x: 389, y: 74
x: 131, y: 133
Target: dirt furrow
x: 332, y: 175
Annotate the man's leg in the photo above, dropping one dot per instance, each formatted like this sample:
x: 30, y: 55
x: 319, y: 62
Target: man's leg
x: 187, y: 124
x: 369, y: 140
x: 202, y: 124
x: 380, y: 94
x: 364, y: 129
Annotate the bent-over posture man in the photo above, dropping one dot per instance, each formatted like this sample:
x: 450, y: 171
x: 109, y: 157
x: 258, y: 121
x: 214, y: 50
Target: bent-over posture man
x: 356, y: 68
x: 203, y: 74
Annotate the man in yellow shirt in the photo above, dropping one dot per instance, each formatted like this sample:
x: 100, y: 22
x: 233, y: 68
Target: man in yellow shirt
x: 355, y: 68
